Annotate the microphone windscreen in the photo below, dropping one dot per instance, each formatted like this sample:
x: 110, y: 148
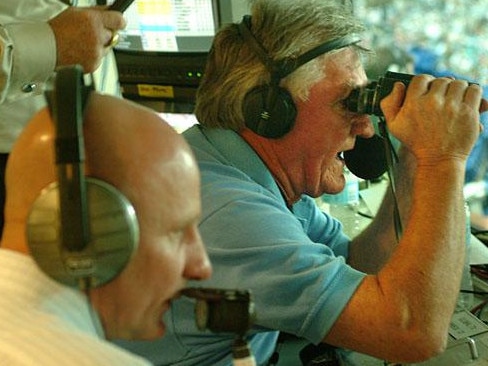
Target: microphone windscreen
x: 368, y: 158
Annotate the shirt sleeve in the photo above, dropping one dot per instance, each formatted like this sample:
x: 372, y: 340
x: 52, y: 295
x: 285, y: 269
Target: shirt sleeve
x: 321, y: 227
x: 28, y: 58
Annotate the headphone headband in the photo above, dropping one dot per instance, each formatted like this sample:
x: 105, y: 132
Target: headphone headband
x: 281, y: 68
x: 288, y: 65
x: 68, y: 102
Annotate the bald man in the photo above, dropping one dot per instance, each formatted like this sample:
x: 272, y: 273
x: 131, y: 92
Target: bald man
x: 44, y: 322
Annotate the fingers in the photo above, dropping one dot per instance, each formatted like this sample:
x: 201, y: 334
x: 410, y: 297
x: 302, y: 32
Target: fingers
x: 113, y: 39
x: 113, y: 20
x: 392, y: 103
x: 474, y: 95
x: 419, y: 85
x: 483, y: 105
x: 438, y: 116
x: 110, y: 22
x: 446, y: 88
x: 456, y: 90
x: 441, y: 86
x: 84, y: 35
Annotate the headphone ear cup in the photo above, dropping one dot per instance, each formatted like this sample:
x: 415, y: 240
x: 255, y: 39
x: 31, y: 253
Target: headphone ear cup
x: 271, y: 121
x: 114, y: 236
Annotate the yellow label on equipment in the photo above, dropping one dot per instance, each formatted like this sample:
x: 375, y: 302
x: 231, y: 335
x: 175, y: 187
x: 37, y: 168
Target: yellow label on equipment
x: 155, y: 91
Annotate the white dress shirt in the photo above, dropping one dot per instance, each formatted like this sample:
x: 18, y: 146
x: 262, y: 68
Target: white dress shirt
x: 45, y: 323
x: 28, y: 59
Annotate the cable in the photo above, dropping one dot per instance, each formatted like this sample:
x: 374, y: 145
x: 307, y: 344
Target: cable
x: 391, y: 159
x: 241, y: 353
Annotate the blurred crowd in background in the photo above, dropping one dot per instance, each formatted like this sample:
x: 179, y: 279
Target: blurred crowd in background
x: 443, y: 36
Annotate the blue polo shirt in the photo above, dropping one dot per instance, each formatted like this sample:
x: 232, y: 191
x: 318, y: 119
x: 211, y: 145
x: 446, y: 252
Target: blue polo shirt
x: 291, y: 259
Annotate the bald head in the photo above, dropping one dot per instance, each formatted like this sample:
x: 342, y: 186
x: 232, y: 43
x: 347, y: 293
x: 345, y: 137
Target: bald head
x: 132, y: 149
x: 126, y: 145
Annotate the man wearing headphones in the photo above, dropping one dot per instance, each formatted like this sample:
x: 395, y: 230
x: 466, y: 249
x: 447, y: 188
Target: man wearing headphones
x: 273, y: 126
x: 63, y: 295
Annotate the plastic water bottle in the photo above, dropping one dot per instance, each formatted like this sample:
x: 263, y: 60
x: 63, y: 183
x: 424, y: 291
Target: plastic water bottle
x: 352, y: 189
x: 466, y: 299
x: 344, y: 205
x: 349, y: 196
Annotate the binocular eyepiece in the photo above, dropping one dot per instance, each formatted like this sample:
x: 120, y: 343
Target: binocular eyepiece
x: 366, y: 100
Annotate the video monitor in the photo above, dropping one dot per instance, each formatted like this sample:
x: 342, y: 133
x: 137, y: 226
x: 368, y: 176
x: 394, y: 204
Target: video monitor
x: 170, y: 26
x: 163, y: 51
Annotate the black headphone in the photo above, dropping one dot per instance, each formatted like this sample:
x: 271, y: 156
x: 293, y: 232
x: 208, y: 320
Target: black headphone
x: 269, y: 110
x: 81, y: 231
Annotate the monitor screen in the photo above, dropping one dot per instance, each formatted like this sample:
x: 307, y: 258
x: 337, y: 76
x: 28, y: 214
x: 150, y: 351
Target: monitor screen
x: 162, y: 52
x: 170, y: 25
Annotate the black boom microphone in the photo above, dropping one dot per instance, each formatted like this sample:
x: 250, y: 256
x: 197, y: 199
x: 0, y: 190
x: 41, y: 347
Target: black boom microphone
x: 368, y: 158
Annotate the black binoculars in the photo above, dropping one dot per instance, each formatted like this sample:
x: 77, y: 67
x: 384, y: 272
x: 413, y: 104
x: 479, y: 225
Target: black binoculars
x: 366, y: 100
